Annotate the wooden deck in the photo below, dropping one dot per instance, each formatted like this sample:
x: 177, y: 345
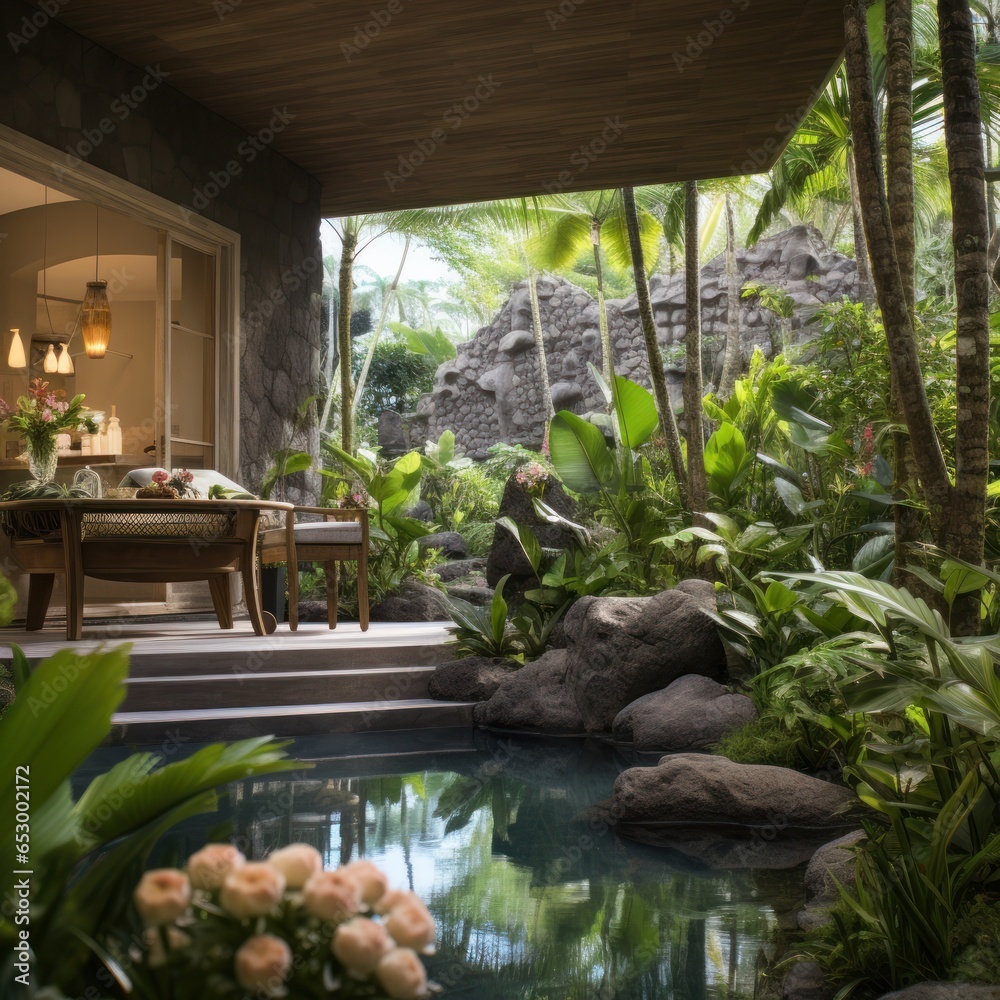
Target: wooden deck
x: 192, y: 681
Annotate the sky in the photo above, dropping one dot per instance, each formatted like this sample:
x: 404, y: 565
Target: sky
x: 382, y: 256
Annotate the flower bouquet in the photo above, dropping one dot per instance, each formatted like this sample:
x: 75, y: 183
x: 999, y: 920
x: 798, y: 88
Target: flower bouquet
x: 39, y: 417
x: 167, y: 487
x: 226, y: 928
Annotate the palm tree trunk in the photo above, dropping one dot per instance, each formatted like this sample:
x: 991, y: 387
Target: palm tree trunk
x: 536, y: 323
x: 963, y: 131
x: 861, y: 255
x: 602, y: 311
x: 697, y: 482
x: 656, y: 374
x: 386, y: 302
x: 899, y: 167
x: 731, y: 357
x: 903, y: 358
x: 344, y: 340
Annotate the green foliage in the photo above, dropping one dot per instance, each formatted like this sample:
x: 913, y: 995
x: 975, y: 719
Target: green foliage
x: 285, y: 462
x: 763, y: 741
x: 433, y: 348
x: 396, y: 378
x: 483, y: 631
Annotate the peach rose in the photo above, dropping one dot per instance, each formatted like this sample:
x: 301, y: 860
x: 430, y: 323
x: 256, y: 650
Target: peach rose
x: 360, y: 944
x: 332, y: 896
x: 410, y: 924
x: 402, y: 974
x: 392, y: 898
x: 263, y: 964
x: 161, y: 896
x: 156, y: 956
x: 374, y: 882
x: 252, y: 891
x: 208, y: 868
x: 297, y: 862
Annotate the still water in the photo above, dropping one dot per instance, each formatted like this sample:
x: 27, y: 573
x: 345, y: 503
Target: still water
x: 534, y: 899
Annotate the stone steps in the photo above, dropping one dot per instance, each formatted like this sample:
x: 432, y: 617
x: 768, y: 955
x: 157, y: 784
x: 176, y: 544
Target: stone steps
x: 202, y: 725
x: 284, y: 686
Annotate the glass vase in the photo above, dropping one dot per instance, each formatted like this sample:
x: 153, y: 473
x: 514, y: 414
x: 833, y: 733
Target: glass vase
x: 42, y: 459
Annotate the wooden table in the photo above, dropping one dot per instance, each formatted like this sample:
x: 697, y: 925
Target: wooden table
x: 139, y: 541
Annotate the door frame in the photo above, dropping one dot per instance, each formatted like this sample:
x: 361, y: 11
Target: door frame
x: 42, y: 163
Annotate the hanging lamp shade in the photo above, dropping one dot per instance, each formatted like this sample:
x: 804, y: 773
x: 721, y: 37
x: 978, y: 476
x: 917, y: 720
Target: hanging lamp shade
x: 15, y: 356
x: 50, y: 364
x: 66, y: 366
x: 95, y: 319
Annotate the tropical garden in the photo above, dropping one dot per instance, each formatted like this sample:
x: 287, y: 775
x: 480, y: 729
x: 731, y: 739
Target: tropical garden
x: 838, y: 494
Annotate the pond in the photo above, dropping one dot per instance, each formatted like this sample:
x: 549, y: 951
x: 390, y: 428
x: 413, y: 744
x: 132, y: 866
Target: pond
x: 534, y: 899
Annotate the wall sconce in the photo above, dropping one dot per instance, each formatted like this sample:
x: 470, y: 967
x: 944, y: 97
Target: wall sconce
x: 15, y: 356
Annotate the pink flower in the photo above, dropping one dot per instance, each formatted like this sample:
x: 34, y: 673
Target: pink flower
x: 160, y: 477
x: 47, y: 415
x: 263, y: 964
x: 62, y: 407
x: 161, y: 896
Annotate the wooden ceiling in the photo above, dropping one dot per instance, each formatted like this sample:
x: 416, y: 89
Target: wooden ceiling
x: 559, y: 71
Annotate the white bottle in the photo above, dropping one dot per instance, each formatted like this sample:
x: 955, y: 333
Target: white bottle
x: 85, y: 443
x: 114, y: 445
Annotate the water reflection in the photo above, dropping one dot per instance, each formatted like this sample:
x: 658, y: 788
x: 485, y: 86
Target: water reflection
x: 533, y: 898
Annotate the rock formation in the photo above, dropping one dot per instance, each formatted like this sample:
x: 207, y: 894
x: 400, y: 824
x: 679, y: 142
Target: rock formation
x: 491, y: 391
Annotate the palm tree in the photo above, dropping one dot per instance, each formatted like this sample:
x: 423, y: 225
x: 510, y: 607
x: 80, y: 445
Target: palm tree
x: 956, y: 512
x: 656, y: 374
x: 593, y: 219
x: 696, y: 479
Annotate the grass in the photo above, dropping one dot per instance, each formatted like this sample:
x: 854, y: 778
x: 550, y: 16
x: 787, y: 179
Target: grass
x: 763, y: 741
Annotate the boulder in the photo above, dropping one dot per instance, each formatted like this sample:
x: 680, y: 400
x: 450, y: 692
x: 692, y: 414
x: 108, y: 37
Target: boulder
x: 412, y: 602
x: 805, y: 981
x: 505, y: 556
x: 421, y: 511
x: 700, y: 789
x: 480, y: 596
x: 625, y: 647
x: 391, y: 435
x: 945, y: 991
x: 448, y: 571
x: 692, y: 713
x: 473, y: 678
x: 451, y: 544
x: 831, y: 865
x: 535, y: 698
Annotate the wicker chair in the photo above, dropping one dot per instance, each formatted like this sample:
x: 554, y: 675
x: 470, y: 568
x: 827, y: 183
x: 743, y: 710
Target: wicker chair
x: 342, y: 536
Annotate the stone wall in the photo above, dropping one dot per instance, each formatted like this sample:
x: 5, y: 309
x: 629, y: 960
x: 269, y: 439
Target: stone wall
x: 57, y: 87
x: 492, y: 390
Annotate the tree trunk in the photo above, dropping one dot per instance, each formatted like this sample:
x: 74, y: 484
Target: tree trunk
x: 386, y: 302
x: 866, y: 288
x: 697, y: 483
x: 903, y: 358
x: 899, y: 166
x: 963, y: 130
x: 731, y: 358
x: 656, y: 375
x: 602, y: 310
x: 543, y: 365
x: 344, y: 340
